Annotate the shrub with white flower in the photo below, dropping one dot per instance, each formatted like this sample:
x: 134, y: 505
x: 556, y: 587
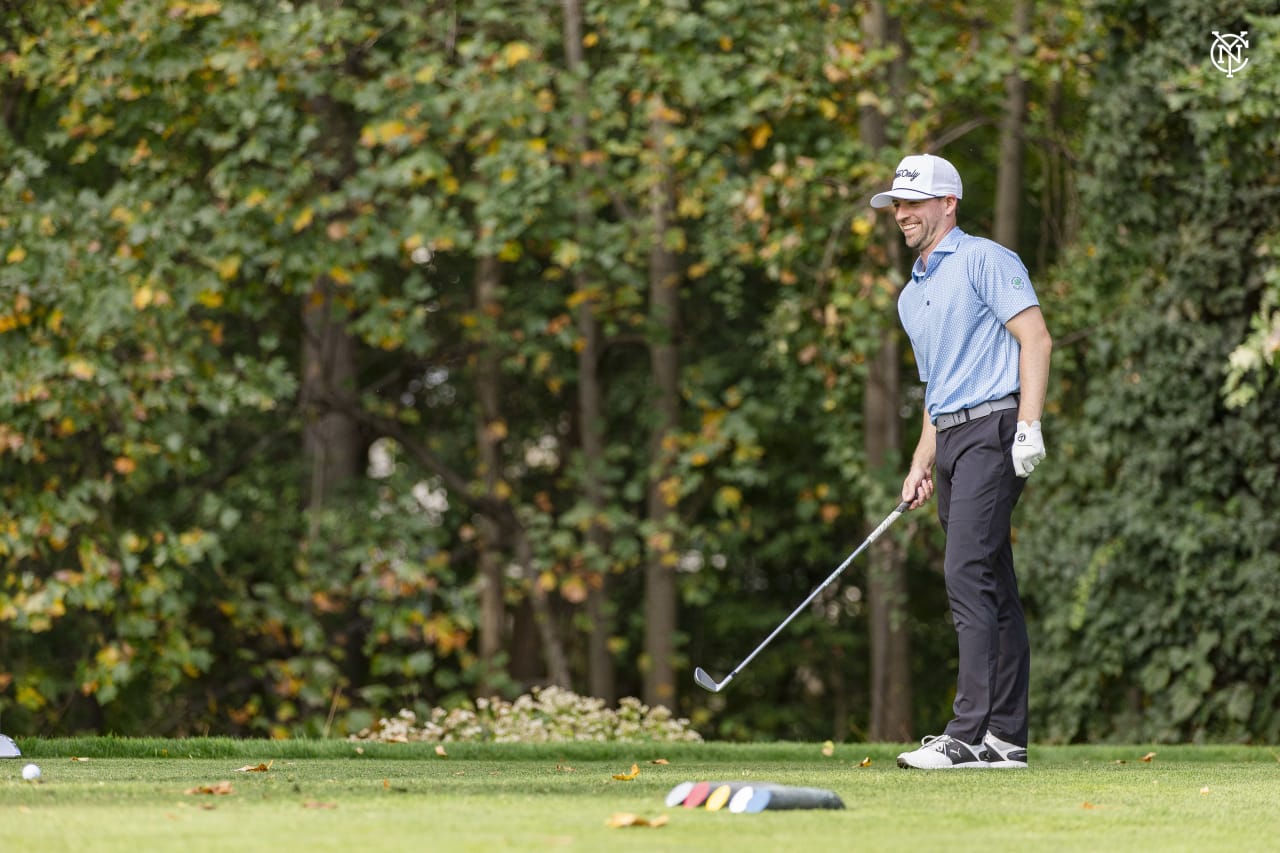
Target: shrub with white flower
x: 546, y: 715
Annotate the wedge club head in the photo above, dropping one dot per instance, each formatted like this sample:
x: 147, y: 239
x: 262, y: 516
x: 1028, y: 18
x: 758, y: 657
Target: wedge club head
x: 706, y: 682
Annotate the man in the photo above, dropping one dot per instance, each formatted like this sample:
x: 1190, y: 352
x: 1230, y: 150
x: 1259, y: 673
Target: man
x: 982, y: 349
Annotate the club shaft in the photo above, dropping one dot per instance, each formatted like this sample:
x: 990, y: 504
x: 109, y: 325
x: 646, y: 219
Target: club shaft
x: 875, y: 534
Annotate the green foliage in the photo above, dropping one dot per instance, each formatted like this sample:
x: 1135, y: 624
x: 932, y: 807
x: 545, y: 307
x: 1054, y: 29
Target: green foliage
x: 1154, y: 536
x: 181, y: 178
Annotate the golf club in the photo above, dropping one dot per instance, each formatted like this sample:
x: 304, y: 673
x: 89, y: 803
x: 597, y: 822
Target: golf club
x: 708, y: 683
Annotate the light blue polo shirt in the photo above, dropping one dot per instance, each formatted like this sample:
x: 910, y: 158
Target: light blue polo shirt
x: 954, y: 311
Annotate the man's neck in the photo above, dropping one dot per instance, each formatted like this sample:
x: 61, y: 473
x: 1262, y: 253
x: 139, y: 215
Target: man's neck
x: 924, y: 256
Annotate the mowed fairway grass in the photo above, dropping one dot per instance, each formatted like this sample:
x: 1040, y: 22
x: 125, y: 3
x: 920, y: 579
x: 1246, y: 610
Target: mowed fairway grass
x: 106, y: 794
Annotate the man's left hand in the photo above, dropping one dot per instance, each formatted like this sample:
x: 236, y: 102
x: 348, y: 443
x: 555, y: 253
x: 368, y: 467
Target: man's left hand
x: 1028, y: 448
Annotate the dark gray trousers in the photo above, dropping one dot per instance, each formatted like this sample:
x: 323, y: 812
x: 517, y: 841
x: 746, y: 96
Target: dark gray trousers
x: 977, y: 491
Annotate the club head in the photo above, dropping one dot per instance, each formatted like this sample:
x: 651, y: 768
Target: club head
x: 706, y: 682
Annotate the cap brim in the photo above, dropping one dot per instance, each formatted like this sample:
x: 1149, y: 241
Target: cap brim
x: 886, y: 198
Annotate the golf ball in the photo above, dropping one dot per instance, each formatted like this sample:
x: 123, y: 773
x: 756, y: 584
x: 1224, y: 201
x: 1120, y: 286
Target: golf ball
x: 31, y: 773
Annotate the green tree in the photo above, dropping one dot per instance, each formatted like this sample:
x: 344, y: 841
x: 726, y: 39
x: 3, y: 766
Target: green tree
x: 1154, y: 538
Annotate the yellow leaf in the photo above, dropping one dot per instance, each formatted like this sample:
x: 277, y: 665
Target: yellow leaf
x: 441, y: 752
x: 209, y: 298
x: 201, y: 10
x: 510, y: 251
x: 726, y: 43
x: 1148, y: 757
x: 140, y: 152
x: 229, y: 267
x: 760, y: 136
x: 255, y: 768
x: 124, y: 465
x: 426, y: 74
x: 861, y: 226
x: 142, y: 297
x: 516, y: 52
x: 81, y: 369
x: 255, y: 198
x: 828, y: 108
x: 627, y: 777
x: 590, y: 40
x: 866, y: 762
x: 828, y: 749
x: 339, y: 275
x: 731, y: 497
x: 566, y: 254
x: 303, y: 220
x: 16, y: 255
x: 659, y: 761
x: 625, y: 819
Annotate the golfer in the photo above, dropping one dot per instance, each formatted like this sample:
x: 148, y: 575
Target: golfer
x: 982, y: 349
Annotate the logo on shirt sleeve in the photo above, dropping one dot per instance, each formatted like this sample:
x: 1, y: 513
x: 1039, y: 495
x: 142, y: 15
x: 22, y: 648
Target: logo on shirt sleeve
x: 1017, y: 283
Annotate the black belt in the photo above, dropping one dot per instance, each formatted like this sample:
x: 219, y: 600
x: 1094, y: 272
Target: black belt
x: 954, y: 419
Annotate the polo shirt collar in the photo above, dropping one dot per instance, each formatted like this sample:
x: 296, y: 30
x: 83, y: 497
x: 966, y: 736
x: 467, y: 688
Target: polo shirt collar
x: 950, y: 242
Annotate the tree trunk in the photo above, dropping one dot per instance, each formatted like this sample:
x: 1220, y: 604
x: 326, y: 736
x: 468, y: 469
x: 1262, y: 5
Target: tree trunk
x: 490, y: 432
x: 501, y: 532
x: 331, y: 435
x: 1010, y: 172
x: 600, y: 674
x: 886, y: 574
x: 664, y: 315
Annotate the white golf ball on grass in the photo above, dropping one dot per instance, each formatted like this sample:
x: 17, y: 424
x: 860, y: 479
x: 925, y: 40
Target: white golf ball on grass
x: 31, y: 773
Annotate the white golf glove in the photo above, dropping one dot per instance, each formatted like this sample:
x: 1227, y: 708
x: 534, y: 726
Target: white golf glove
x: 1028, y: 448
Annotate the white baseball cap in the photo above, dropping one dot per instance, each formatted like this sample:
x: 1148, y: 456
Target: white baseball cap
x: 921, y: 176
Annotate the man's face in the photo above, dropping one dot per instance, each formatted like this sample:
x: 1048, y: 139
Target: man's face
x: 924, y: 223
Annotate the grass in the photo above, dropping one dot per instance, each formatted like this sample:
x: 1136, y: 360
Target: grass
x: 130, y: 795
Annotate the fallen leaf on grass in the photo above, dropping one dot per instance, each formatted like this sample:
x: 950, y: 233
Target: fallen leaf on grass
x: 440, y: 751
x: 1147, y: 758
x: 1204, y: 791
x: 1121, y: 761
x: 316, y: 804
x: 255, y: 768
x: 565, y: 768
x: 659, y: 761
x: 828, y: 749
x: 218, y: 788
x: 627, y: 777
x: 623, y: 819
x: 866, y: 762
x: 1088, y: 805
x: 77, y: 758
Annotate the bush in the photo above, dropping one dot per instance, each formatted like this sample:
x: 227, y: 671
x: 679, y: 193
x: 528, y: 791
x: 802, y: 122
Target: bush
x: 547, y: 715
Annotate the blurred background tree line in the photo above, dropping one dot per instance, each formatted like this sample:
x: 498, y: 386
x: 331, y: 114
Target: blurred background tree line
x: 372, y: 355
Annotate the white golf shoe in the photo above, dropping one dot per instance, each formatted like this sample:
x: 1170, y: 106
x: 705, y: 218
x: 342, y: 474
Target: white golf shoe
x: 943, y: 752
x: 1002, y: 755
